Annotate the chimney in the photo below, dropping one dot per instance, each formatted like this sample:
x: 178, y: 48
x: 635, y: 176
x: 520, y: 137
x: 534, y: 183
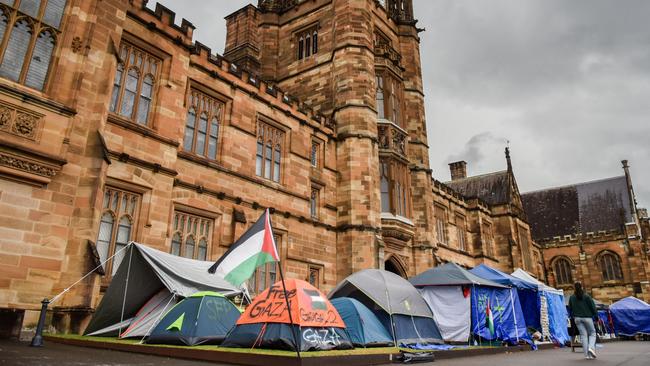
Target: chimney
x: 458, y: 170
x: 242, y: 43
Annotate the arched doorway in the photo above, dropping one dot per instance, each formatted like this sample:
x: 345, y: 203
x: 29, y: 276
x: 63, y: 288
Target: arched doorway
x: 393, y: 264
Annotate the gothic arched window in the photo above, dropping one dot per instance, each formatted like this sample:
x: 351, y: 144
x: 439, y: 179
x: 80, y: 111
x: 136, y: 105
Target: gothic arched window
x: 191, y: 235
x: 562, y: 269
x: 120, y: 210
x: 28, y: 34
x: 610, y: 267
x: 133, y: 90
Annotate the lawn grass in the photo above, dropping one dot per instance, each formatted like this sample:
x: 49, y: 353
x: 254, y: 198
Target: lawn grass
x: 350, y: 352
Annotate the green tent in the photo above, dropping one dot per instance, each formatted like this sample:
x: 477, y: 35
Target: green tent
x: 203, y: 318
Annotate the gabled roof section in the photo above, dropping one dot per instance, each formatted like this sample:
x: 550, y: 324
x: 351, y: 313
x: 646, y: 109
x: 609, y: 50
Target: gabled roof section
x: 493, y: 188
x: 586, y: 207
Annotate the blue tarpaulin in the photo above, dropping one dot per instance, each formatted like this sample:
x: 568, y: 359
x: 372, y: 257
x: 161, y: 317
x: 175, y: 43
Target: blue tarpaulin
x: 605, y: 319
x: 509, y: 325
x: 631, y: 316
x: 557, y: 317
x: 526, y: 291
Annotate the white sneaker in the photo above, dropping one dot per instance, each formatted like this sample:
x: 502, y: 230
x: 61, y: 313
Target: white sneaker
x: 591, y: 353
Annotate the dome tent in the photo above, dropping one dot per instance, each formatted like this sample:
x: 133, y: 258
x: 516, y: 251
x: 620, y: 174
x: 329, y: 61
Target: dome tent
x: 363, y: 327
x: 202, y: 318
x: 396, y: 303
x: 266, y: 323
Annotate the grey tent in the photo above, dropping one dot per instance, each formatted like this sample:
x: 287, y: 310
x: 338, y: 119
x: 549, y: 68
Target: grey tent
x: 450, y: 274
x: 147, y: 283
x: 395, y: 302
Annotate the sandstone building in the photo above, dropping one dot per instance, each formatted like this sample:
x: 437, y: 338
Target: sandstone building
x: 593, y: 232
x: 116, y: 126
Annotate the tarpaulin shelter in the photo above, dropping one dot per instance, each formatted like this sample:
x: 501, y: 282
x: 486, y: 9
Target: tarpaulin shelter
x: 453, y: 293
x: 446, y: 289
x: 396, y: 303
x: 631, y: 316
x: 553, y: 301
x: 202, y: 318
x: 147, y: 283
x: 266, y: 322
x: 526, y: 291
x: 363, y: 327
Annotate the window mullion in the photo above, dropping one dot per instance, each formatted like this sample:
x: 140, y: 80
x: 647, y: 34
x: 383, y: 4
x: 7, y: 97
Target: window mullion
x: 138, y: 90
x: 11, y: 22
x: 120, y: 94
x: 36, y: 28
x: 111, y: 244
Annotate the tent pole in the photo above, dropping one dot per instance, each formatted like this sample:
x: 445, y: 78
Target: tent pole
x: 514, y: 315
x: 286, y: 298
x: 126, y: 288
x: 158, y: 318
x: 478, y: 327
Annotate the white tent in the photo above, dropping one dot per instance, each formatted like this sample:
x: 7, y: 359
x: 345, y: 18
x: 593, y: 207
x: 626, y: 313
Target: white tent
x: 451, y: 310
x: 523, y: 275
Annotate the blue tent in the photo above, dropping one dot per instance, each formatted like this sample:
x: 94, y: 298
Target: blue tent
x: 605, y: 318
x: 557, y: 314
x: 509, y: 325
x: 526, y: 292
x: 631, y: 316
x: 363, y: 327
x: 203, y: 318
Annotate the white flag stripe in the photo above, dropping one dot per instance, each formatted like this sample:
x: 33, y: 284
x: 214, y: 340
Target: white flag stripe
x: 252, y: 246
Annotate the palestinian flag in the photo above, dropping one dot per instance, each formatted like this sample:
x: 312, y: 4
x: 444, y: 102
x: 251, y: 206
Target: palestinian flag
x: 254, y: 248
x: 489, y: 319
x: 317, y: 302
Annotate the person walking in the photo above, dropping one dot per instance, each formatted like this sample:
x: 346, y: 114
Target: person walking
x: 583, y: 311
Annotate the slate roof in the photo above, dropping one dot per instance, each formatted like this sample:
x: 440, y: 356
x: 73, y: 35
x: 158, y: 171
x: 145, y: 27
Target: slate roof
x: 491, y: 188
x: 592, y: 206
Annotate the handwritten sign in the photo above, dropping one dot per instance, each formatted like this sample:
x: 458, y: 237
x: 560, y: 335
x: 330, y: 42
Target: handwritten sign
x: 309, y: 307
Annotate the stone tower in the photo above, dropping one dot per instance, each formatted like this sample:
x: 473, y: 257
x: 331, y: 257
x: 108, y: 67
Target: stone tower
x: 358, y: 62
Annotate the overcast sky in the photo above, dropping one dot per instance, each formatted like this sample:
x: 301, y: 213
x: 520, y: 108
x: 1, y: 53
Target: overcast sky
x: 567, y: 83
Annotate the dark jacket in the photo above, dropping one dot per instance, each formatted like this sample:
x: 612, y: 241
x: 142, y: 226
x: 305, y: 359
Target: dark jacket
x: 585, y: 308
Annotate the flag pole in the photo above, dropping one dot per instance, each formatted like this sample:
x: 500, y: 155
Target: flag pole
x: 286, y: 298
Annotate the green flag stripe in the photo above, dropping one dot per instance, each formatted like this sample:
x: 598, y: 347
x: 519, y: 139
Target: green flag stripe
x: 245, y: 269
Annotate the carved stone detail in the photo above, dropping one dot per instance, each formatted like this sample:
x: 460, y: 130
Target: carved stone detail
x: 25, y: 126
x: 77, y: 44
x: 26, y: 165
x: 391, y: 138
x: 20, y: 122
x: 5, y: 118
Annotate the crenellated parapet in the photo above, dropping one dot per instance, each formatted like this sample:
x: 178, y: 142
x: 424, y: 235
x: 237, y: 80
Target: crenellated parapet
x: 162, y: 20
x: 166, y: 21
x: 586, y: 238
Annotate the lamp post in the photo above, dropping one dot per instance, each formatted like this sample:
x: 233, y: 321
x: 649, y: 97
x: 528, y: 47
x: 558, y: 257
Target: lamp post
x: 37, y: 341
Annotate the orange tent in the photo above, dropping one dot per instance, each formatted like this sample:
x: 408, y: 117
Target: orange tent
x: 266, y: 324
x: 309, y: 307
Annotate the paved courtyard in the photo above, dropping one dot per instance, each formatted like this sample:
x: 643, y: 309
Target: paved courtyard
x: 19, y: 354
